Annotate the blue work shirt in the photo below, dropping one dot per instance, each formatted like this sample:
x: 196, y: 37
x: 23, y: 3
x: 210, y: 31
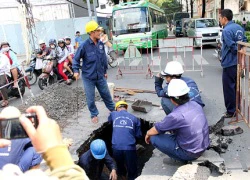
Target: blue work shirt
x: 231, y: 33
x: 189, y: 124
x: 94, y: 167
x: 126, y: 128
x: 194, y: 93
x: 13, y: 153
x: 79, y: 40
x: 94, y: 60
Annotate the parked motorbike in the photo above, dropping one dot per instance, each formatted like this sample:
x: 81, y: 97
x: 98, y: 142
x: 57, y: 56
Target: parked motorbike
x: 48, y: 76
x: 31, y: 72
x: 13, y: 92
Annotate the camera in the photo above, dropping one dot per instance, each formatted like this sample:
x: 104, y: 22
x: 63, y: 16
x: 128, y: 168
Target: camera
x: 11, y: 128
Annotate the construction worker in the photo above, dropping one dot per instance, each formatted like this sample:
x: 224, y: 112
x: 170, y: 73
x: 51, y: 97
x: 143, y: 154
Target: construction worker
x: 94, y: 159
x: 174, y: 70
x: 231, y: 34
x: 190, y: 137
x: 126, y: 128
x: 94, y: 69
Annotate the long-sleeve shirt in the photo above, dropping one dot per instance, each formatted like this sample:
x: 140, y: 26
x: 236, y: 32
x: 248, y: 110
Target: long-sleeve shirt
x: 231, y: 33
x: 126, y: 128
x: 194, y: 93
x: 188, y: 122
x: 94, y: 167
x: 94, y: 60
x: 12, y: 56
x: 71, y: 49
x: 62, y: 54
x: 4, y: 65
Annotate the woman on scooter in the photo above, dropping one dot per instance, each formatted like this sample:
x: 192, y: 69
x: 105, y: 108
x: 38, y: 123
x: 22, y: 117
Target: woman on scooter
x: 62, y: 56
x: 4, y: 71
x: 5, y: 49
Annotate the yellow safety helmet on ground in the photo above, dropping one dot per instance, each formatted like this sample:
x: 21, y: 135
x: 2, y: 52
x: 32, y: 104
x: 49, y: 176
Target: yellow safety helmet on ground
x: 120, y: 103
x: 91, y: 26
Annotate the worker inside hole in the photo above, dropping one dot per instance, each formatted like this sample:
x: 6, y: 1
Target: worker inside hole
x: 94, y: 160
x: 189, y: 136
x: 126, y: 128
x: 174, y: 70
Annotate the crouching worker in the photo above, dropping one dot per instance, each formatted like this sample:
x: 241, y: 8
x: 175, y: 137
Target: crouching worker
x: 94, y: 159
x: 174, y: 70
x: 126, y: 128
x: 188, y: 123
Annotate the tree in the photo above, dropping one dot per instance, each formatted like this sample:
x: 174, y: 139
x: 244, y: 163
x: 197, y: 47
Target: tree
x: 187, y: 5
x: 222, y: 4
x: 203, y: 8
x: 192, y: 7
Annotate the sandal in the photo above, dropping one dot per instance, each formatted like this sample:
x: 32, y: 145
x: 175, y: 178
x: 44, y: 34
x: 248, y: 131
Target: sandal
x: 5, y: 103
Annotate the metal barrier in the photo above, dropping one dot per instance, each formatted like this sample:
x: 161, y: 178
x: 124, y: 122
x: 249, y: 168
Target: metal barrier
x: 242, y: 87
x: 132, y: 60
x: 176, y: 47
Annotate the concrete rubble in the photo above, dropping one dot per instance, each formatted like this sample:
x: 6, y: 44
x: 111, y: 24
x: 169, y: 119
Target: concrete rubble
x: 191, y: 172
x: 231, y: 130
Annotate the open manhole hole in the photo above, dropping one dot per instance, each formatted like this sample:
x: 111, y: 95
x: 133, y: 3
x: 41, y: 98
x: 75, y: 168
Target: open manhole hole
x: 144, y: 151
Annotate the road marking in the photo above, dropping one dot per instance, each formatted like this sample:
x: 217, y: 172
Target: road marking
x: 198, y: 57
x: 179, y: 59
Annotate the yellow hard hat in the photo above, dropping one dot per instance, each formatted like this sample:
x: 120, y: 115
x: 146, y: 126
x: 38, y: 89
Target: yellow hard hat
x: 120, y: 103
x: 91, y: 26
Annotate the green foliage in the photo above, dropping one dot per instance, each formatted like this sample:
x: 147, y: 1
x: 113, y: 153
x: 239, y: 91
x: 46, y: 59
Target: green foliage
x: 248, y: 26
x: 248, y: 38
x: 170, y: 7
x: 238, y: 22
x: 247, y: 33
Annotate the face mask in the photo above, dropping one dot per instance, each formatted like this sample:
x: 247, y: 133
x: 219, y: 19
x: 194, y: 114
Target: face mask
x: 52, y: 46
x: 5, y: 49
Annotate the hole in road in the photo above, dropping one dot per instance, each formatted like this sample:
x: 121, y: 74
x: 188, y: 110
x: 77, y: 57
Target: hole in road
x: 144, y: 151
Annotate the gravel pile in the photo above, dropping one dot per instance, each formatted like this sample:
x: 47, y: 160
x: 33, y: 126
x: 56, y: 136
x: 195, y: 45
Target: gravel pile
x: 59, y: 100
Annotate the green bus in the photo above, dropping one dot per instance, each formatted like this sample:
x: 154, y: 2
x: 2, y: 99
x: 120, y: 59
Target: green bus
x: 138, y: 22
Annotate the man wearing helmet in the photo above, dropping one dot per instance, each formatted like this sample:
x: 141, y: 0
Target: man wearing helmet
x: 126, y: 128
x: 44, y: 51
x: 174, y: 70
x: 188, y: 124
x: 94, y: 159
x: 5, y: 49
x: 94, y: 69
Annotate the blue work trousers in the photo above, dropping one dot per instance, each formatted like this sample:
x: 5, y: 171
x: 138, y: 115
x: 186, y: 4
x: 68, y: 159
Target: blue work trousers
x: 29, y: 159
x: 102, y: 87
x: 229, y: 79
x: 167, y: 144
x: 167, y: 105
x: 126, y: 161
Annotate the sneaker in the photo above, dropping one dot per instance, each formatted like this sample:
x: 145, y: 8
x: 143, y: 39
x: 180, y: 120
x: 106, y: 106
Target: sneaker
x: 94, y: 119
x: 228, y: 115
x: 173, y: 162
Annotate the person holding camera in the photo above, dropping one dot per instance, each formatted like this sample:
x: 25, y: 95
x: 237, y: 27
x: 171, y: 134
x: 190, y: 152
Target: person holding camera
x: 47, y: 140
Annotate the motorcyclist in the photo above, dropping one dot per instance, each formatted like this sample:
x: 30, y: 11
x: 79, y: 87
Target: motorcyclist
x: 70, y: 49
x: 5, y: 49
x: 44, y: 51
x: 4, y: 70
x: 62, y: 54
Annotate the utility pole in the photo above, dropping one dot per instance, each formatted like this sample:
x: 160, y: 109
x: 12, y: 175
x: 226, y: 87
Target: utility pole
x: 28, y: 27
x: 89, y: 10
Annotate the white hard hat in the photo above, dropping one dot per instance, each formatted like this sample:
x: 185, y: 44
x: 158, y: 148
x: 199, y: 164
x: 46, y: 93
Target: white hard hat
x: 177, y: 87
x: 41, y: 42
x: 173, y: 68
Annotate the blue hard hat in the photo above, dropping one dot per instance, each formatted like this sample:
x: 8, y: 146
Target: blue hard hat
x: 98, y: 149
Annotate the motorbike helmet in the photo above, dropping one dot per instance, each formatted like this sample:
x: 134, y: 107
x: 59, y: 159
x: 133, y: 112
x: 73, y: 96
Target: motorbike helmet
x: 61, y: 41
x: 4, y: 43
x: 41, y: 42
x: 98, y: 149
x: 177, y: 88
x: 52, y: 41
x: 67, y: 38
